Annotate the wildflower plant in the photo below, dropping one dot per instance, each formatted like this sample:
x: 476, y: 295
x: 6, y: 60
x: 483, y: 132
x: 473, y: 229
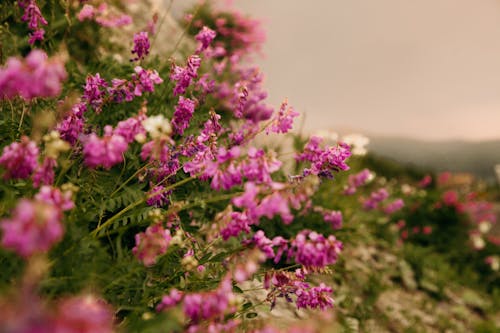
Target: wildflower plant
x: 134, y: 190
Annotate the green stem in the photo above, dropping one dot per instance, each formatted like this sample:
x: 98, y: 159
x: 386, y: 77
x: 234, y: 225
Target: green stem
x: 137, y: 203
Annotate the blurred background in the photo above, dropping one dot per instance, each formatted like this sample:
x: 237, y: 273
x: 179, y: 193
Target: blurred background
x: 420, y: 78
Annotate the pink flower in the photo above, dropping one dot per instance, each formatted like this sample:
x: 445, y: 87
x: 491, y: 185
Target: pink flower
x: 375, y: 198
x: 182, y: 115
x: 152, y: 243
x: 315, y: 297
x: 44, y: 173
x: 36, y: 76
x: 183, y: 75
x: 19, y: 159
x: 334, y: 217
x: 324, y: 161
x: 314, y: 250
x: 170, y: 300
x: 238, y: 223
x: 211, y: 305
x: 204, y: 37
x: 394, y: 206
x: 141, y: 46
x: 86, y: 13
x: 34, y: 16
x: 105, y: 152
x: 35, y: 226
x: 83, y: 314
x: 129, y: 128
x: 358, y: 180
x: 283, y: 122
x: 54, y: 196
x: 71, y: 126
x: 158, y: 196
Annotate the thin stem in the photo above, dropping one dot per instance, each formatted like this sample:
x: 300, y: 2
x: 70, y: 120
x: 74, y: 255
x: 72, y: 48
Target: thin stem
x: 137, y: 203
x: 187, y: 28
x: 161, y: 22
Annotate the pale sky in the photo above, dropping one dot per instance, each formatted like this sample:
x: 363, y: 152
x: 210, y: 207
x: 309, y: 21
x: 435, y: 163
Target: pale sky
x: 426, y: 69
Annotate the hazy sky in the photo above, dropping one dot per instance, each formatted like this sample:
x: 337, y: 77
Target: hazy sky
x: 422, y: 68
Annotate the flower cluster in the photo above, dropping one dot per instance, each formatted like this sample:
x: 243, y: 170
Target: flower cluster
x: 20, y: 159
x: 151, y: 244
x: 376, y: 197
x: 324, y: 161
x: 106, y: 151
x: 357, y: 180
x: 184, y: 75
x: 104, y: 16
x: 141, y: 46
x: 36, y: 76
x: 314, y: 250
x: 35, y: 19
x: 35, y: 225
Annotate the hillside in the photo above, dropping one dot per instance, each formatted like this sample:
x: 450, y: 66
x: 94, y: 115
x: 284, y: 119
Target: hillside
x: 477, y: 158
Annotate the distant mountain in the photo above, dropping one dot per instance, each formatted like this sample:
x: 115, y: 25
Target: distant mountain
x: 478, y: 158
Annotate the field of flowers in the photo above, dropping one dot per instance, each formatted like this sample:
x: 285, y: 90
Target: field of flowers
x: 140, y: 193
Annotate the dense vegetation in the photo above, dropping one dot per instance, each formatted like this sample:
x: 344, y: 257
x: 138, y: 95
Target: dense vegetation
x: 139, y: 195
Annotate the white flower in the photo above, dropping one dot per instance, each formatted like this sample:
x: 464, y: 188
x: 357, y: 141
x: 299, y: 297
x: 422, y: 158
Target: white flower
x: 484, y: 227
x: 477, y: 241
x: 157, y: 126
x: 358, y: 143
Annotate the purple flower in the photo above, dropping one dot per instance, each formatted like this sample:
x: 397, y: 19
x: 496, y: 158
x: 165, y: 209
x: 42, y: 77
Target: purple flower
x: 211, y: 305
x: 44, y: 174
x: 35, y: 77
x: 86, y: 13
x: 258, y: 167
x: 20, y: 159
x: 54, y: 196
x: 324, y: 161
x: 375, y: 198
x: 204, y: 37
x: 95, y: 91
x: 130, y: 128
x: 394, y: 206
x: 71, y: 126
x: 141, y: 46
x: 105, y: 152
x: 182, y: 115
x: 314, y: 298
x: 283, y: 122
x: 152, y: 243
x: 145, y: 80
x: 183, y: 75
x: 314, y: 250
x: 170, y: 300
x: 158, y: 197
x: 34, y: 17
x: 34, y: 227
x: 238, y: 223
x: 83, y: 314
x: 358, y: 180
x: 334, y: 217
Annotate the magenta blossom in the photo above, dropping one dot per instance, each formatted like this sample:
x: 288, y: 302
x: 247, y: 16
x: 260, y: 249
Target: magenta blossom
x: 314, y: 250
x: 283, y: 121
x: 84, y: 314
x: 105, y: 152
x: 182, y: 115
x: 204, y: 37
x: 35, y: 226
x: 37, y: 76
x: 151, y: 244
x: 20, y: 159
x: 184, y: 75
x: 141, y: 46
